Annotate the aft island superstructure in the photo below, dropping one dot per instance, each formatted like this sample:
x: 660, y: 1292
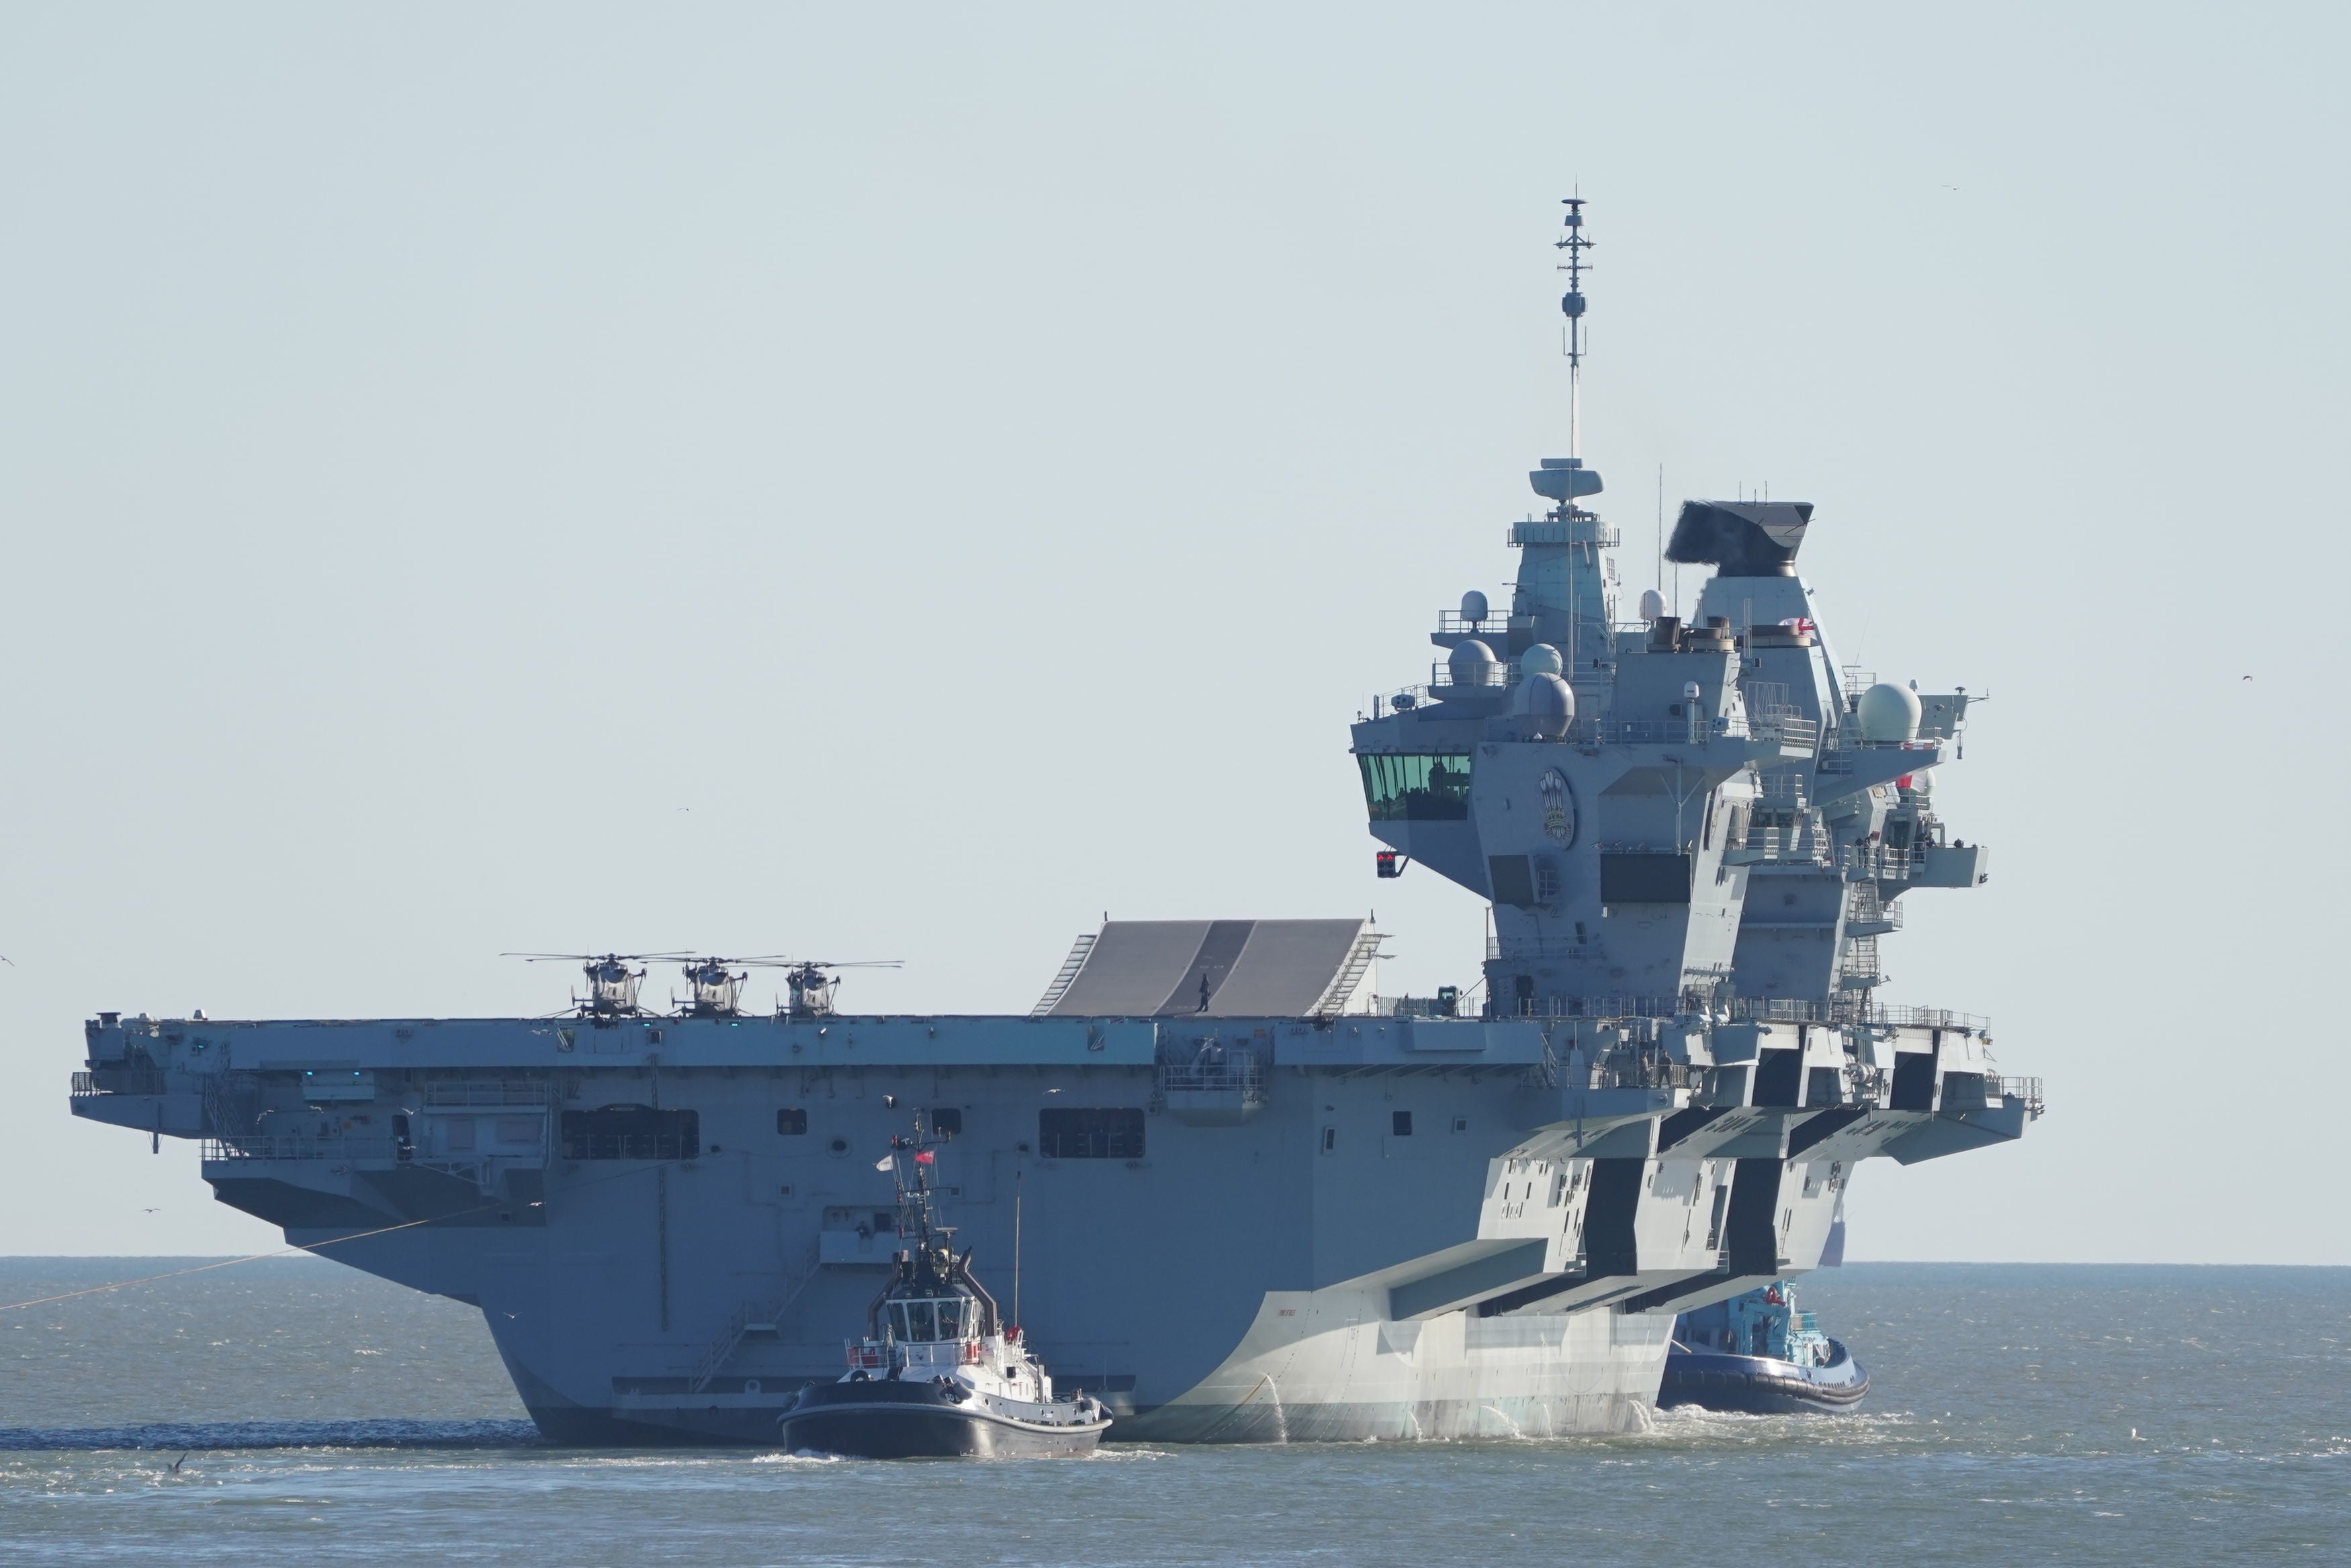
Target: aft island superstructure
x: 1256, y: 1200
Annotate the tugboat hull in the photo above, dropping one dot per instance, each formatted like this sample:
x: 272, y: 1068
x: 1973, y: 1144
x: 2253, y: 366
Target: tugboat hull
x: 1760, y: 1386
x: 888, y: 1419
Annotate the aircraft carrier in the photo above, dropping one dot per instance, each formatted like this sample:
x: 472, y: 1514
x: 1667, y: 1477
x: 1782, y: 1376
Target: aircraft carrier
x: 1254, y: 1200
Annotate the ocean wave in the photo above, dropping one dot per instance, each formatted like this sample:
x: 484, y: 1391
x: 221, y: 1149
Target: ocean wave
x: 200, y: 1435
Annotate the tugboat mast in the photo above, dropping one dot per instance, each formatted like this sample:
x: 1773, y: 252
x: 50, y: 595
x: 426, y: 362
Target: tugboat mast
x: 917, y: 1223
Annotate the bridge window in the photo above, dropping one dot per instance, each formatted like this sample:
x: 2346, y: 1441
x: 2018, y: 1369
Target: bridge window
x: 791, y: 1121
x: 1090, y: 1133
x: 929, y: 1322
x: 1417, y: 787
x: 631, y: 1132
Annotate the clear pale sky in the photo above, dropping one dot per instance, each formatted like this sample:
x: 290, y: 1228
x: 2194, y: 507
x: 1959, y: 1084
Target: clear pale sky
x: 898, y: 482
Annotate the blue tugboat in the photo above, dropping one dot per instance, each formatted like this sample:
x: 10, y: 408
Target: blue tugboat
x: 1759, y: 1353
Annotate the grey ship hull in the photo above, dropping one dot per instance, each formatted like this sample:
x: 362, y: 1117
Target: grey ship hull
x: 1276, y: 1260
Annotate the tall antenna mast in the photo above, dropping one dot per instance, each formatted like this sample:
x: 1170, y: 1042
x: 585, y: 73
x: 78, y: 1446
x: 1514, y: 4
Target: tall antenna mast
x: 1571, y: 306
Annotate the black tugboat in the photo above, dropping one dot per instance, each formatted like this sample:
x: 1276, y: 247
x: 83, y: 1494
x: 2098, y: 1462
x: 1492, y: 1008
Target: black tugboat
x: 1757, y: 1352
x: 938, y: 1374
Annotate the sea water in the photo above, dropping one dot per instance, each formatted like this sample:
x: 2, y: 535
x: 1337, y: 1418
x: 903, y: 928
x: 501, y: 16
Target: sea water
x: 294, y: 1412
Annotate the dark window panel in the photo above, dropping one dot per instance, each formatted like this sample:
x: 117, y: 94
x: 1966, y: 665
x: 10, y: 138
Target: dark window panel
x: 1090, y: 1133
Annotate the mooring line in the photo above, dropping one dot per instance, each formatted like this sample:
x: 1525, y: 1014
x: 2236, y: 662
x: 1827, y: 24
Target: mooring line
x: 335, y: 1241
x: 228, y: 1263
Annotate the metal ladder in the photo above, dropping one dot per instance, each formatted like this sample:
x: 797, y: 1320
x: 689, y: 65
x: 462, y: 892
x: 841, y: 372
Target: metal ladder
x: 1063, y: 981
x: 1350, y: 974
x: 763, y: 1314
x: 1859, y: 970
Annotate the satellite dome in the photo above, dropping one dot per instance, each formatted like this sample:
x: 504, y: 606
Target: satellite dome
x: 1471, y: 663
x: 1546, y: 703
x: 1653, y: 604
x: 1542, y: 659
x: 1888, y: 714
x: 1473, y: 607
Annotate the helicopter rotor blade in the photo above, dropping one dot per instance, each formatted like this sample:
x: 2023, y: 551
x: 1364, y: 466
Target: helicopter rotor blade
x: 587, y: 957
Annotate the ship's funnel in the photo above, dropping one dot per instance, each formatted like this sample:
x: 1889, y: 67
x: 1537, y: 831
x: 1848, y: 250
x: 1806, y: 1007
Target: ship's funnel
x: 1741, y: 538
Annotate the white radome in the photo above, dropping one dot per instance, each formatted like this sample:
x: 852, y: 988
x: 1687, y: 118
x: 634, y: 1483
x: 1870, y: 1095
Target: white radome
x: 1471, y: 663
x: 1888, y: 713
x: 1546, y: 702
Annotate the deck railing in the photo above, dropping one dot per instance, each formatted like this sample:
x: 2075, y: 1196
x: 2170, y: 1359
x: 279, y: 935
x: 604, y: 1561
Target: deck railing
x: 1788, y: 729
x: 118, y: 1081
x: 1850, y: 1011
x: 1496, y: 625
x: 1493, y: 677
x: 1645, y: 1072
x: 298, y: 1145
x: 2027, y: 1090
x: 1559, y: 531
x: 1240, y: 1073
x: 455, y: 1092
x: 1928, y: 1018
x: 1878, y: 861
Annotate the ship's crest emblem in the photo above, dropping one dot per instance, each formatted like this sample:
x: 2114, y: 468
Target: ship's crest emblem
x: 1558, y: 808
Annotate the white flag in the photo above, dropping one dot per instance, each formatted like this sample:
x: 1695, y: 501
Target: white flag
x: 886, y: 1162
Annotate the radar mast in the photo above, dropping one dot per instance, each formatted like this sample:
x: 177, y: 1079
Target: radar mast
x: 1565, y: 593
x: 1570, y: 305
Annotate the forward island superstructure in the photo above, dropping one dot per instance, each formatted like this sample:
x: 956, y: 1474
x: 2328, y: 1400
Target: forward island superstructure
x: 1256, y: 1200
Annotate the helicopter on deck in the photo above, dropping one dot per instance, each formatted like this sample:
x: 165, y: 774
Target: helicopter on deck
x: 612, y: 983
x: 810, y: 984
x: 714, y: 984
